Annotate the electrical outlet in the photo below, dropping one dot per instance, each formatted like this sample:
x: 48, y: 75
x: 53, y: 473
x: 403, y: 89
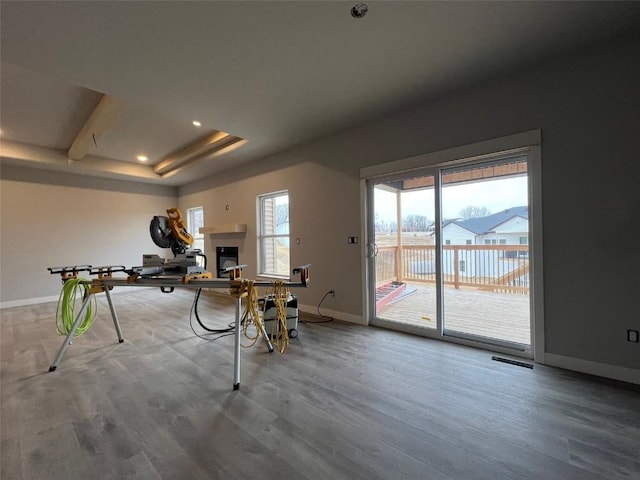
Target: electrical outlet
x: 632, y: 336
x: 333, y: 294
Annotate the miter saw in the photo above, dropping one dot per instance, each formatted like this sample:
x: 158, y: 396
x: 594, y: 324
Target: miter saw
x: 171, y: 232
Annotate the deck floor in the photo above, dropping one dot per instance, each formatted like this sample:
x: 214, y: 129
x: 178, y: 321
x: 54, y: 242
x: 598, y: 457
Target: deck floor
x: 501, y: 316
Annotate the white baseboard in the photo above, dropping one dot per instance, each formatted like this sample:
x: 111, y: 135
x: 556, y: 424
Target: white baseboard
x: 593, y: 368
x: 28, y: 301
x: 345, y: 317
x: 53, y: 298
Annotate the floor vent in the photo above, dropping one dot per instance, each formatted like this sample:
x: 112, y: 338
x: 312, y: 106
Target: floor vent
x: 512, y: 362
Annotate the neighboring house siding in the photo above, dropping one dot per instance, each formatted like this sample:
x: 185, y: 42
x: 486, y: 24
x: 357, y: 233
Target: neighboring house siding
x: 513, y: 225
x: 501, y: 238
x: 483, y: 263
x: 512, y: 230
x: 453, y: 234
x: 509, y: 232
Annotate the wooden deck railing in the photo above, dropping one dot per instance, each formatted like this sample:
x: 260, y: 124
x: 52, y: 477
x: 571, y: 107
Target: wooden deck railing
x: 503, y: 268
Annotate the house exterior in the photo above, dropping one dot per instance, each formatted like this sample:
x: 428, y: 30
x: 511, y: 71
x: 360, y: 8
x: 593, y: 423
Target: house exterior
x: 507, y: 227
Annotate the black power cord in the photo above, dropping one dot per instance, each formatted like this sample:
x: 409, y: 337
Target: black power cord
x: 326, y: 318
x: 194, y: 312
x: 209, y: 336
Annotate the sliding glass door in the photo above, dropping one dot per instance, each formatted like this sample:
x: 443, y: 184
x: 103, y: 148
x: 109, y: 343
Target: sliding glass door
x: 450, y: 251
x: 405, y: 251
x: 485, y: 257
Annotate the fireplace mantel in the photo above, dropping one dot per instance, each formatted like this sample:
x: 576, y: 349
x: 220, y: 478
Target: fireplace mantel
x: 229, y: 228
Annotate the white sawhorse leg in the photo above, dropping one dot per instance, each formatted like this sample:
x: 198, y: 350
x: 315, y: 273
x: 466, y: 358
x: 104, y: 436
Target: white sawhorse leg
x: 114, y: 316
x: 236, y: 350
x: 76, y: 323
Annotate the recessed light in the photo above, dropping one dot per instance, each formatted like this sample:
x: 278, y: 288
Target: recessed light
x: 142, y: 158
x: 196, y: 123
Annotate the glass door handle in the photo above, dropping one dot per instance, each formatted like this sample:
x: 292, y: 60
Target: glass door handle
x: 373, y: 250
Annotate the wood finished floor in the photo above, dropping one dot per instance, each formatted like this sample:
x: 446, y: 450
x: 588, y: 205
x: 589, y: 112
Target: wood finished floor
x: 344, y: 402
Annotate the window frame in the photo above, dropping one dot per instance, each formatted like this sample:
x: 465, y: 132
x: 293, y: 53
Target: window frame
x: 194, y: 230
x: 264, y: 270
x: 528, y: 142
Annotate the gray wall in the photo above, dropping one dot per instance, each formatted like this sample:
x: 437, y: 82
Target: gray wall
x: 588, y: 108
x: 51, y: 219
x: 320, y: 219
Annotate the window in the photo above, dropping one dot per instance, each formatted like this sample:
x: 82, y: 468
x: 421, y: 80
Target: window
x: 468, y: 242
x: 273, y: 234
x: 195, y: 220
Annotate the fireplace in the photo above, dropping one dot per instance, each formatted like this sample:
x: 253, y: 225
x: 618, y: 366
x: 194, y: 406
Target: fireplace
x: 225, y: 257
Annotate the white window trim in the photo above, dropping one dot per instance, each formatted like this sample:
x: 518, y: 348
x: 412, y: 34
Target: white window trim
x: 261, y: 236
x: 525, y: 141
x: 194, y: 230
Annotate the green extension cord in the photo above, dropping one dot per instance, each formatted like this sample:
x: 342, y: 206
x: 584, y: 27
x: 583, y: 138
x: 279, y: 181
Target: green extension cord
x: 65, y: 314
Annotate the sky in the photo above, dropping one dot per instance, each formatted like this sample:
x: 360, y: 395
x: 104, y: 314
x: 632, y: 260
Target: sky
x: 495, y: 195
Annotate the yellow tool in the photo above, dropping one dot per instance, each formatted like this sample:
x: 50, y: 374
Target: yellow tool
x: 178, y: 227
x: 171, y: 232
